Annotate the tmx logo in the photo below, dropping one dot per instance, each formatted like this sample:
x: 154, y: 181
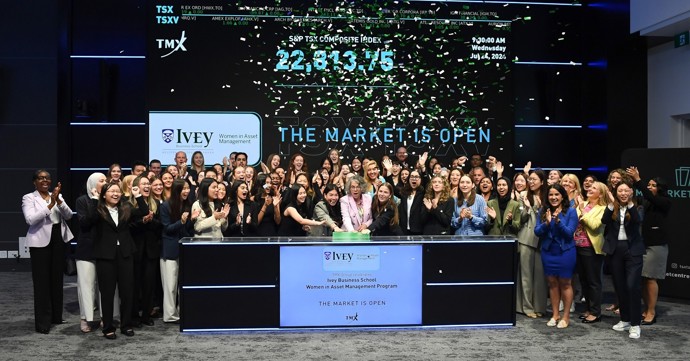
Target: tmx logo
x: 173, y: 44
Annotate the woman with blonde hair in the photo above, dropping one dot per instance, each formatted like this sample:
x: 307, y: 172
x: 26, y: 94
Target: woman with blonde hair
x: 372, y: 178
x: 589, y: 241
x: 438, y: 207
x: 126, y: 186
x: 571, y: 184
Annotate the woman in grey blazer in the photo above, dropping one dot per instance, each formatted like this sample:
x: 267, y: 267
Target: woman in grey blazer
x: 328, y: 210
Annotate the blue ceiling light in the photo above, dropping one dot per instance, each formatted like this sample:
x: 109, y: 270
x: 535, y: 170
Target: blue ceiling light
x: 603, y: 63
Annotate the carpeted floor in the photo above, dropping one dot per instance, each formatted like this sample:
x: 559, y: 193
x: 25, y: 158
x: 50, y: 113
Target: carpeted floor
x: 529, y: 340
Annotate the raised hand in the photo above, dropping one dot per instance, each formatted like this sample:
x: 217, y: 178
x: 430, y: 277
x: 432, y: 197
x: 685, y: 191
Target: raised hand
x: 634, y: 173
x: 195, y: 213
x: 136, y: 192
x: 548, y: 216
x: 184, y: 217
x: 491, y: 212
x: 55, y: 195
x: 388, y: 164
x: 422, y: 159
x: 462, y: 160
x: 527, y: 167
x: 427, y: 203
x: 499, y: 168
x: 610, y: 197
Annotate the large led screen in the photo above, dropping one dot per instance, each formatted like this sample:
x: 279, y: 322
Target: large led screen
x: 364, y: 77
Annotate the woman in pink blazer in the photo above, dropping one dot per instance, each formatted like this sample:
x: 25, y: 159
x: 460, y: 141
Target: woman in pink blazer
x: 355, y: 206
x: 45, y: 212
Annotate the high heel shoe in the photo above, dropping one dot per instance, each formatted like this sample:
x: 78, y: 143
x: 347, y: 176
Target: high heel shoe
x: 647, y: 323
x: 84, y: 326
x: 552, y: 322
x: 597, y: 319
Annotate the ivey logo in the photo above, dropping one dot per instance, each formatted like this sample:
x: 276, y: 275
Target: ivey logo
x: 174, y: 44
x: 683, y: 176
x: 200, y: 138
x: 168, y: 135
x: 338, y: 256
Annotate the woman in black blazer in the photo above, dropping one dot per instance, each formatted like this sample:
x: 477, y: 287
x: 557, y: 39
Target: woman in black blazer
x: 146, y: 232
x: 177, y: 222
x: 624, y: 248
x: 86, y: 264
x: 657, y: 205
x: 113, y: 249
x: 384, y: 213
x: 411, y: 203
x: 242, y: 219
x: 438, y: 207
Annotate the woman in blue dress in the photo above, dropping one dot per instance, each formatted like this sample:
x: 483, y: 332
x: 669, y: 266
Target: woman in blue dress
x: 555, y: 228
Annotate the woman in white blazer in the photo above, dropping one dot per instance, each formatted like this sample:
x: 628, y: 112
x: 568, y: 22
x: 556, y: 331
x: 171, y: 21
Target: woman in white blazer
x: 45, y: 212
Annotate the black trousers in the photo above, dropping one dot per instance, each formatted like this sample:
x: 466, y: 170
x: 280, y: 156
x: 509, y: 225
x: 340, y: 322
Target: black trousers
x: 626, y: 271
x: 47, y: 264
x: 590, y: 269
x: 118, y: 272
x: 144, y: 283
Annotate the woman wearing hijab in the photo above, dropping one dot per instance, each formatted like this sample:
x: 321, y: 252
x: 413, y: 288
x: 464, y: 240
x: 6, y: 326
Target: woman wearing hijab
x: 503, y: 211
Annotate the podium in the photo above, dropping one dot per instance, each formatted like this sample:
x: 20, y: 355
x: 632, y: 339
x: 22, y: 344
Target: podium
x: 394, y: 282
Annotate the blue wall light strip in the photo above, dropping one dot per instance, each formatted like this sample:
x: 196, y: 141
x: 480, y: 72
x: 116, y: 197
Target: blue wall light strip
x: 95, y: 169
x: 227, y: 287
x: 598, y: 169
x: 470, y: 284
x: 548, y: 126
x: 570, y: 63
x: 107, y: 56
x: 106, y: 124
x: 552, y: 168
x: 501, y: 2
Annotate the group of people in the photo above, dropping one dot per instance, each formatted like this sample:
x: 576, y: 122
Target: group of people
x: 130, y: 226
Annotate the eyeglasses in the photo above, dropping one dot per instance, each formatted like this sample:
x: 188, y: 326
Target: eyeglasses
x: 414, y: 177
x: 43, y: 178
x: 355, y: 187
